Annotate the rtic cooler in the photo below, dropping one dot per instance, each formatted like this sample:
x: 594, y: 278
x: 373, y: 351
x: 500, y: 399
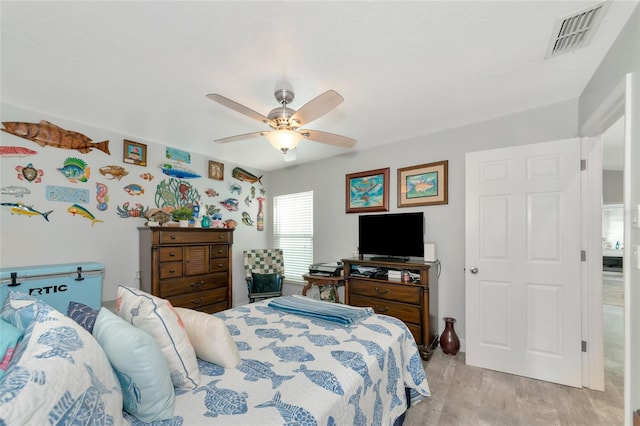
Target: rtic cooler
x: 56, y: 285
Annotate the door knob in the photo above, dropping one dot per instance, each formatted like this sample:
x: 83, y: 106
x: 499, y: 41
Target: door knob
x: 473, y: 270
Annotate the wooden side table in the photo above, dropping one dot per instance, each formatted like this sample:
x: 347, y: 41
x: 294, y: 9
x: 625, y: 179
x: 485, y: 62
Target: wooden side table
x: 322, y: 280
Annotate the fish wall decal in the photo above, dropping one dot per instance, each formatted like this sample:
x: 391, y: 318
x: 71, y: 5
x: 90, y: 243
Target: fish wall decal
x: 16, y: 191
x: 45, y: 133
x: 16, y: 151
x: 23, y: 209
x: 245, y: 176
x: 77, y: 209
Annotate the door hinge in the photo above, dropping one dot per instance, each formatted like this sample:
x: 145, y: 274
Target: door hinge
x: 583, y: 255
x: 583, y: 164
x: 584, y: 346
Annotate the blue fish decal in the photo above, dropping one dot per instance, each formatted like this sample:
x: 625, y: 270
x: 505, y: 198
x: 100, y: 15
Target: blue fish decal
x: 294, y: 324
x: 372, y: 349
x: 62, y: 340
x: 222, y: 401
x: 242, y: 309
x: 178, y: 170
x: 13, y: 383
x: 290, y: 353
x: 130, y: 392
x: 252, y: 321
x: 87, y: 409
x: 271, y: 333
x: 320, y: 339
x: 359, y: 418
x: 292, y: 414
x: 416, y: 370
x: 75, y: 169
x: 377, y: 404
x: 267, y: 310
x: 322, y: 378
x: 243, y: 346
x: 209, y: 368
x: 233, y: 330
x: 230, y: 204
x: 327, y: 325
x: 393, y: 375
x: 255, y: 370
x: 355, y: 362
x: 377, y: 328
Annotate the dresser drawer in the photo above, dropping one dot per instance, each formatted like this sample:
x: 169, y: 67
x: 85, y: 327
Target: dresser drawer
x: 168, y: 254
x: 219, y: 250
x: 170, y: 270
x: 188, y: 285
x: 177, y: 237
x: 219, y: 265
x: 202, y: 298
x: 212, y: 309
x: 405, y: 312
x: 385, y: 290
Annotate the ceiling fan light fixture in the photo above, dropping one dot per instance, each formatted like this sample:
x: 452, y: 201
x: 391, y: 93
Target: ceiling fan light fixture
x: 283, y: 139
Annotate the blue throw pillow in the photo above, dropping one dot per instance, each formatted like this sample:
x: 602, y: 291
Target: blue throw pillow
x: 264, y: 283
x: 83, y: 315
x: 140, y: 366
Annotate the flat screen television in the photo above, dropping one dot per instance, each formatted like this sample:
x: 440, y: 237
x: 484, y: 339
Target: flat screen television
x: 394, y: 236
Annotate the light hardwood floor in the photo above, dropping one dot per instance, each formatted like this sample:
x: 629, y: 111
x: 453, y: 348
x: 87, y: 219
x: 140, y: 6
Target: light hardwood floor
x: 463, y: 395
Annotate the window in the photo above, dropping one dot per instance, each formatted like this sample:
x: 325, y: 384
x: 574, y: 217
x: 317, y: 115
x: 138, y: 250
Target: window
x: 293, y: 232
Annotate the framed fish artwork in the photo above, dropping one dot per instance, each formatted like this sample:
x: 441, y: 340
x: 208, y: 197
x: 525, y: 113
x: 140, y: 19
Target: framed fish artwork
x: 423, y: 185
x: 367, y: 191
x: 134, y: 153
x: 216, y: 170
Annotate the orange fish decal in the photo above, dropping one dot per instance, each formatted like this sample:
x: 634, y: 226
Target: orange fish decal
x: 46, y: 133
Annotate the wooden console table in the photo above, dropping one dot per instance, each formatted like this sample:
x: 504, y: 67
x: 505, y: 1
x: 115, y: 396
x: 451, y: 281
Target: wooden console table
x: 322, y: 280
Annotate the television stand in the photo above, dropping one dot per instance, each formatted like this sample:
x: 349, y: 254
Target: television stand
x: 389, y: 259
x: 414, y: 302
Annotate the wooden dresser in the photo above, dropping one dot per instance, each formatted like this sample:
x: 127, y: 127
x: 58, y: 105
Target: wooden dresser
x: 191, y: 267
x: 414, y: 302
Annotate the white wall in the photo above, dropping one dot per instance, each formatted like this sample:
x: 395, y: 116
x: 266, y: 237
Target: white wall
x: 336, y: 233
x: 29, y: 241
x: 612, y: 187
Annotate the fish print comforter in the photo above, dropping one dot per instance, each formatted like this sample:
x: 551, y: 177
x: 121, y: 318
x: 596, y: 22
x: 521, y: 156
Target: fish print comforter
x: 297, y: 370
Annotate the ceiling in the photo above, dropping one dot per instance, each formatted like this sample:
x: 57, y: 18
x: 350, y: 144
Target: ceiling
x: 405, y: 69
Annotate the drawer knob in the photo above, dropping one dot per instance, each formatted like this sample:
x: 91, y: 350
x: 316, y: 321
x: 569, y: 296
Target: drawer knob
x: 378, y: 310
x: 173, y: 237
x: 383, y: 291
x: 195, y: 302
x: 172, y: 270
x: 200, y: 284
x: 172, y: 254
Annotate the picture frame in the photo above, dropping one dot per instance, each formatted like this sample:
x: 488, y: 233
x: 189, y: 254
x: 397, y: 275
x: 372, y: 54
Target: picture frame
x: 424, y: 184
x: 216, y: 170
x: 134, y: 153
x: 367, y: 191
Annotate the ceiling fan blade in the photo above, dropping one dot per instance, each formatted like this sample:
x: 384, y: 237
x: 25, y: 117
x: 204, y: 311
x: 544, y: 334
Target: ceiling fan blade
x: 241, y: 137
x: 238, y: 107
x: 328, y: 138
x: 317, y: 107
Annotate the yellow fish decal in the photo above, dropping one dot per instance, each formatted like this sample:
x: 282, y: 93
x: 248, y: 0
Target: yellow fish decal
x: 23, y: 209
x: 77, y: 209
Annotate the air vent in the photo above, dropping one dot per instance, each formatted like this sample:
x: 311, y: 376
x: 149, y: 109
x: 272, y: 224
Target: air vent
x: 575, y: 31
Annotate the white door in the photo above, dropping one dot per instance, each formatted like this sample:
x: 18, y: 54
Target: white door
x: 522, y: 256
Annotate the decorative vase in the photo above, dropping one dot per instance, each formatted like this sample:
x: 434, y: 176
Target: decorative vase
x: 205, y: 222
x: 449, y: 339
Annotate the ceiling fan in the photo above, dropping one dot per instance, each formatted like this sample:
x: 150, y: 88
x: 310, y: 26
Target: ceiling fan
x: 286, y: 122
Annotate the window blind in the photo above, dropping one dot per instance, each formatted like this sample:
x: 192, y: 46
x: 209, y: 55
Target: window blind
x: 293, y: 232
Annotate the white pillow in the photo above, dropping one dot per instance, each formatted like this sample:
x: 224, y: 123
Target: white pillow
x: 157, y: 317
x: 210, y: 338
x: 140, y: 366
x: 59, y: 366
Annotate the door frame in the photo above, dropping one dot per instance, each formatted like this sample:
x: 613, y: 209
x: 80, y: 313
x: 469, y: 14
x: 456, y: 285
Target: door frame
x: 610, y: 110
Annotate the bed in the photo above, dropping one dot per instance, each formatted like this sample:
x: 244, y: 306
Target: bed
x: 300, y: 370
